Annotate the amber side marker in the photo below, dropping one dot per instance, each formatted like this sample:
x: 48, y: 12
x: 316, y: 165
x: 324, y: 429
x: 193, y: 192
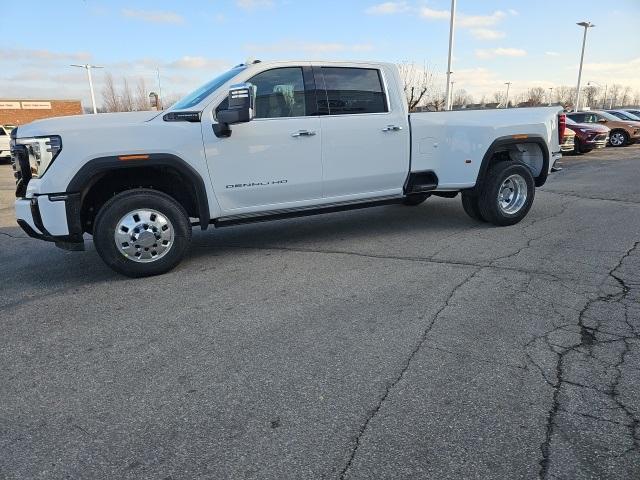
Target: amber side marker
x: 520, y: 137
x: 133, y: 157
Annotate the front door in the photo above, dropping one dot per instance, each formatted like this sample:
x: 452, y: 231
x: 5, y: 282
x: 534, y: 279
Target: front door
x: 274, y: 161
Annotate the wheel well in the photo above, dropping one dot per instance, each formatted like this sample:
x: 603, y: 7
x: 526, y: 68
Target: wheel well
x: 533, y: 154
x: 105, y: 185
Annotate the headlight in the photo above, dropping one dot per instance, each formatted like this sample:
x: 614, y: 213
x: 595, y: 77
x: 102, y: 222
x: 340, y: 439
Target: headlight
x: 42, y: 152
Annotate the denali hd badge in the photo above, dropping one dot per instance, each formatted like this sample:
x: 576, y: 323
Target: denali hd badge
x: 257, y: 184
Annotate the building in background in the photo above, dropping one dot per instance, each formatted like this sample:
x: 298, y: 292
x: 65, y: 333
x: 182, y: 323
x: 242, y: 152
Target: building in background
x: 19, y: 112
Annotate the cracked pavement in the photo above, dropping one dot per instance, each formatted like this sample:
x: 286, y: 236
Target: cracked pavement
x: 392, y: 342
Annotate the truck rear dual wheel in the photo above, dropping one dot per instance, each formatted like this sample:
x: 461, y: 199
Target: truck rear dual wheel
x: 505, y: 196
x: 142, y: 232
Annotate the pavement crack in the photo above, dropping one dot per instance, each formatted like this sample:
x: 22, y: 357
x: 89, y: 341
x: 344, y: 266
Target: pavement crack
x: 399, y: 376
x: 588, y: 339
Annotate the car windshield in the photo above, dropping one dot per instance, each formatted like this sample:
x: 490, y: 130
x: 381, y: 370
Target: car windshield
x: 571, y: 122
x: 627, y: 116
x: 207, y: 89
x: 608, y: 116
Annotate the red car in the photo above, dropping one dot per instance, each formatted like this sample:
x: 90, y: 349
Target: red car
x: 588, y: 135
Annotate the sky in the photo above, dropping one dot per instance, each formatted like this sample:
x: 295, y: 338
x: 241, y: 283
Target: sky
x: 528, y: 43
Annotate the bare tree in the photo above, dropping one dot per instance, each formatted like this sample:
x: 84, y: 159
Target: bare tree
x: 625, y: 96
x: 461, y: 97
x: 140, y: 96
x: 591, y: 93
x: 536, y: 96
x: 614, y: 94
x: 109, y: 95
x: 566, y: 96
x: 498, y: 96
x: 417, y: 83
x: 636, y: 98
x: 126, y: 97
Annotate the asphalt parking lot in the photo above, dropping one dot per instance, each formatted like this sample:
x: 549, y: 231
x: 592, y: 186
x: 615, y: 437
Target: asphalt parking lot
x: 393, y: 342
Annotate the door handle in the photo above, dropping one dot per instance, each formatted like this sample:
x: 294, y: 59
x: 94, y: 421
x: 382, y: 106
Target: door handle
x: 303, y: 133
x: 392, y: 128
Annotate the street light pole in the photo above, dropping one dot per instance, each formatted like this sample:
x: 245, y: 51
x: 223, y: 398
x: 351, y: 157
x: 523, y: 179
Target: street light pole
x: 550, y: 95
x: 586, y: 26
x: 451, y: 101
x: 506, y: 100
x: 88, y: 68
x: 449, y: 72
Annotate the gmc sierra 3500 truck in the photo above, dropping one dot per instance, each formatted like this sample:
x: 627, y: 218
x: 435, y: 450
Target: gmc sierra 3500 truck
x: 268, y: 141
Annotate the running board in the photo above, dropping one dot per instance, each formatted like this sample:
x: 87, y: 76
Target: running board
x: 303, y: 211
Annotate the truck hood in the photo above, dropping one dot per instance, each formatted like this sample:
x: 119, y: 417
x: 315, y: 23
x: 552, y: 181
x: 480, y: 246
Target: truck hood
x: 60, y: 125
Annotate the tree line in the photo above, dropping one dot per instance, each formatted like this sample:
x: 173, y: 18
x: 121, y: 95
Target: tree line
x: 423, y: 90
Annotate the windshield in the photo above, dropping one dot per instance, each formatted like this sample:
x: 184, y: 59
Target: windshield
x: 626, y: 116
x: 608, y: 116
x: 571, y: 122
x: 207, y: 89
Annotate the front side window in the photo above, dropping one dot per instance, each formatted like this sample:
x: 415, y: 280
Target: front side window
x: 280, y: 93
x: 2, y: 132
x: 352, y: 91
x: 590, y: 118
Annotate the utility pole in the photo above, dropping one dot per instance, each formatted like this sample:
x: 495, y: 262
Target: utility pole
x: 161, y: 101
x: 550, y: 95
x: 506, y: 100
x: 93, y: 96
x: 451, y: 34
x: 586, y: 26
x: 451, y: 101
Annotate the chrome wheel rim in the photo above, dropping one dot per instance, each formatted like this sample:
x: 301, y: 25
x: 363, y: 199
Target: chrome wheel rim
x: 144, y: 235
x: 617, y: 139
x: 512, y: 194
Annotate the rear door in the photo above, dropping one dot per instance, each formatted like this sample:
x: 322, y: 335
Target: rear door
x: 365, y: 133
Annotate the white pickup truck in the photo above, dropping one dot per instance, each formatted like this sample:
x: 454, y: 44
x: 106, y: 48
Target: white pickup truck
x: 267, y: 141
x: 4, y: 144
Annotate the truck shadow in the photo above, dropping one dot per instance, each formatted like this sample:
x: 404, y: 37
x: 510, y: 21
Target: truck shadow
x: 438, y: 218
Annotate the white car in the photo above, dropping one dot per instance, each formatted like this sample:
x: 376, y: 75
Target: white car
x: 5, y: 152
x: 267, y: 141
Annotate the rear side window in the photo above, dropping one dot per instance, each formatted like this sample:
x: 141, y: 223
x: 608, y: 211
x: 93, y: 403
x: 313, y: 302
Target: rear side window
x: 352, y: 91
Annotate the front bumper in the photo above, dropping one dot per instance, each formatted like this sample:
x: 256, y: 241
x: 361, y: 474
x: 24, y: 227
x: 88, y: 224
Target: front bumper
x: 52, y: 218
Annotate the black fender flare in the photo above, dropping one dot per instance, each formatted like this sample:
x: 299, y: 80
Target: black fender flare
x: 501, y: 142
x: 93, y: 170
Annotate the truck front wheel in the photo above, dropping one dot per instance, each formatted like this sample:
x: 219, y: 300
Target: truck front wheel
x: 507, y: 193
x: 142, y: 232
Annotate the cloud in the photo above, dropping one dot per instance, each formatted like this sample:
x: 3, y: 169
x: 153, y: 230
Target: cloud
x: 513, y: 12
x: 487, y: 34
x: 254, y: 4
x: 153, y: 16
x: 188, y: 62
x: 500, y: 52
x: 552, y: 54
x: 388, y: 8
x: 309, y: 47
x: 476, y: 21
x: 431, y: 14
x: 25, y: 54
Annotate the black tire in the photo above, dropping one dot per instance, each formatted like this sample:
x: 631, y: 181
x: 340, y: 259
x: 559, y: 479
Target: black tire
x: 415, y: 199
x: 471, y: 207
x: 118, y: 207
x: 577, y: 148
x: 618, y: 134
x: 489, y: 202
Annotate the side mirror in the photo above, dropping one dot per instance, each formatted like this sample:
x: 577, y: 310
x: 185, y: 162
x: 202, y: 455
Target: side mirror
x: 241, y: 109
x: 603, y: 120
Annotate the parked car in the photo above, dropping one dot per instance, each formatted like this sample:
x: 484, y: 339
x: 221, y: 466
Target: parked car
x: 268, y: 141
x: 5, y: 153
x: 588, y: 136
x: 623, y: 132
x: 633, y: 111
x: 568, y: 141
x: 624, y: 115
